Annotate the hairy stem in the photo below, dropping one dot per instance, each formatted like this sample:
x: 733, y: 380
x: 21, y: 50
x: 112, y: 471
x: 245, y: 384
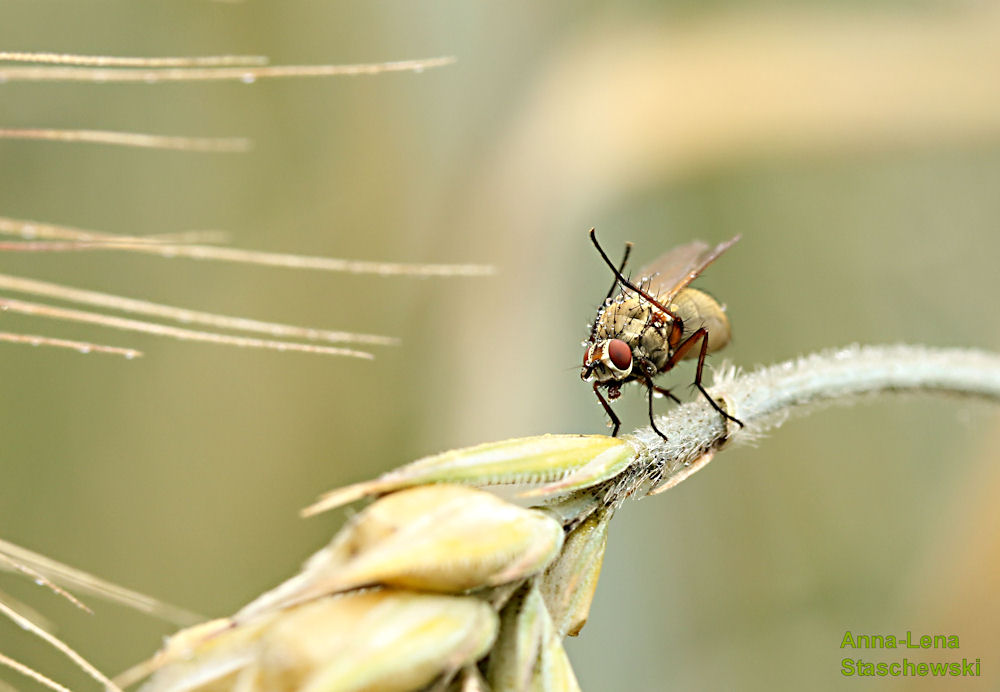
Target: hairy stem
x: 763, y: 399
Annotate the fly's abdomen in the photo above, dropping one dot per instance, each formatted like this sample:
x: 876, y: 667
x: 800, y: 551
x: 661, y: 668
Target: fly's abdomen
x: 696, y: 310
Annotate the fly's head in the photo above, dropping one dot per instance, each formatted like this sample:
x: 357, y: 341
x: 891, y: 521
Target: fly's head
x: 607, y: 360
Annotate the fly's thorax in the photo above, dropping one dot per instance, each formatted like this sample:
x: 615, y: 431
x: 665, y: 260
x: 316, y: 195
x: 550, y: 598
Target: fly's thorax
x: 696, y: 309
x: 654, y: 344
x: 624, y: 319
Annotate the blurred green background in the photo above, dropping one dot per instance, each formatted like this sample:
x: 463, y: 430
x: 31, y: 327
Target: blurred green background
x: 856, y: 147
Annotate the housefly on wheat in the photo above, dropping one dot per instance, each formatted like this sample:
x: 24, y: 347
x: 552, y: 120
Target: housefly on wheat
x: 654, y: 323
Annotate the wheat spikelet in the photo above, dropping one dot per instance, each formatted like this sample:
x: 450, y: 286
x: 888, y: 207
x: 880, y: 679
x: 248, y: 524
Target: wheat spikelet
x: 436, y: 584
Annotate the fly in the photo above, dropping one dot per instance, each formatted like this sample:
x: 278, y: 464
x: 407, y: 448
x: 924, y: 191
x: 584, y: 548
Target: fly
x: 653, y: 324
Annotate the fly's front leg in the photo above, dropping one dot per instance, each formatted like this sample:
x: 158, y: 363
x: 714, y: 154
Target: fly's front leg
x: 621, y: 270
x: 611, y: 291
x: 607, y: 409
x: 680, y: 353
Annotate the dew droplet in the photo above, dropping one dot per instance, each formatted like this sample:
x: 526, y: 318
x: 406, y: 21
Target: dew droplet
x: 28, y: 231
x: 129, y: 355
x: 248, y: 78
x: 84, y: 349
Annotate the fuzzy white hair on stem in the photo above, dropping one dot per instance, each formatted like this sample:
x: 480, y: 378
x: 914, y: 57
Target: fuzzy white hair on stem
x: 765, y: 398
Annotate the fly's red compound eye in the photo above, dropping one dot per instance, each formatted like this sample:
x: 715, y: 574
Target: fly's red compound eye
x: 620, y: 354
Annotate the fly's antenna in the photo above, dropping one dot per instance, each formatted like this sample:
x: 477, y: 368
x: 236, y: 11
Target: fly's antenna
x: 621, y: 279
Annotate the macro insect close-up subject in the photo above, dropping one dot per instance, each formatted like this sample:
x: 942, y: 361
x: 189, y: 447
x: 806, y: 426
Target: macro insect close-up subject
x: 654, y: 323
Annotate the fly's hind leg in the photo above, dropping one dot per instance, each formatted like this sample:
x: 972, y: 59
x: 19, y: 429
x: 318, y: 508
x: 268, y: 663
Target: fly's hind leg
x: 616, y: 422
x: 681, y: 351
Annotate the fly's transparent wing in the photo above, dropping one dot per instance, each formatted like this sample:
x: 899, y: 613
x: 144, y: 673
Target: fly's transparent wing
x: 666, y: 276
